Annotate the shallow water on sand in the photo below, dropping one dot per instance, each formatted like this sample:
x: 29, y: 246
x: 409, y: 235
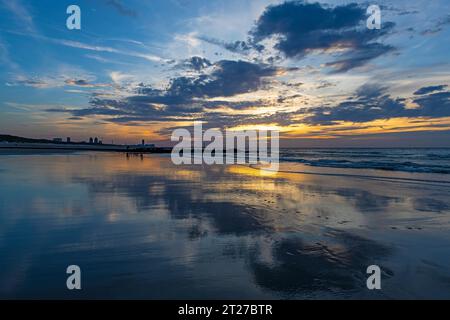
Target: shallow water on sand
x: 140, y: 227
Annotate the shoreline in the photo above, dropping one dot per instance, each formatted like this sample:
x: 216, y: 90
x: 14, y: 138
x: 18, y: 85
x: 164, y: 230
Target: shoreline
x: 286, y: 167
x: 84, y: 147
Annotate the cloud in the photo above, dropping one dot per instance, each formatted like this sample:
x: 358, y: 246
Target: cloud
x: 203, y: 96
x: 84, y: 83
x: 300, y: 28
x: 185, y: 97
x: 225, y: 78
x: 371, y: 102
x: 429, y: 89
x: 54, y: 81
x: 116, y: 4
x: 81, y: 45
x: 5, y: 56
x: 360, y: 57
x: 238, y: 46
x: 437, y: 27
x: 325, y: 84
x: 21, y: 13
x: 194, y: 63
x: 97, y: 48
x: 118, y: 77
x: 35, y: 82
x: 433, y: 105
x: 228, y: 78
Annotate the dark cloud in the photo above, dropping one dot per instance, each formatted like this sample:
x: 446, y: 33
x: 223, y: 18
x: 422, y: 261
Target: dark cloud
x: 62, y: 110
x: 399, y: 11
x: 437, y: 27
x: 188, y: 99
x: 195, y: 63
x: 371, y: 103
x: 406, y: 12
x: 325, y: 84
x: 432, y: 105
x: 228, y: 78
x: 425, y: 139
x: 304, y: 27
x: 242, y: 47
x: 83, y: 83
x: 123, y: 10
x: 35, y: 83
x: 185, y: 97
x: 293, y: 84
x: 360, y: 57
x: 54, y: 81
x: 430, y: 89
x: 282, y: 99
x: 75, y: 82
x: 236, y: 105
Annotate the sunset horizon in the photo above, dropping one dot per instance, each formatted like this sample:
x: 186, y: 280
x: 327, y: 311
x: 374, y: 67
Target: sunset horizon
x: 328, y: 81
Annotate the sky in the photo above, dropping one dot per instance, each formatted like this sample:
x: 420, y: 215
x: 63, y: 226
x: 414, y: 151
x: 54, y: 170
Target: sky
x: 313, y: 70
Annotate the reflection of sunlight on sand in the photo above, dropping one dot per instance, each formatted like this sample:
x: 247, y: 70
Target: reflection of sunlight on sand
x: 290, y: 201
x: 246, y: 170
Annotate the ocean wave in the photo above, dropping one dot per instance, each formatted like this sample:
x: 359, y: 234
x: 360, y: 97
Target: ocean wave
x: 407, y: 166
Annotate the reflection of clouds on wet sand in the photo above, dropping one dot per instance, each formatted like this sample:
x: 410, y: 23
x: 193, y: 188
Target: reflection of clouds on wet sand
x: 431, y: 205
x: 218, y: 231
x: 336, y: 264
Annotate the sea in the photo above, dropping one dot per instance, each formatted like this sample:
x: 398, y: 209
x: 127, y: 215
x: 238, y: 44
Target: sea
x: 405, y: 160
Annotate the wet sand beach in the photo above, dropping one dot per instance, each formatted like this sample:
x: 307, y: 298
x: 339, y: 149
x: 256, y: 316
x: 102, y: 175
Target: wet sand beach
x: 141, y: 227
